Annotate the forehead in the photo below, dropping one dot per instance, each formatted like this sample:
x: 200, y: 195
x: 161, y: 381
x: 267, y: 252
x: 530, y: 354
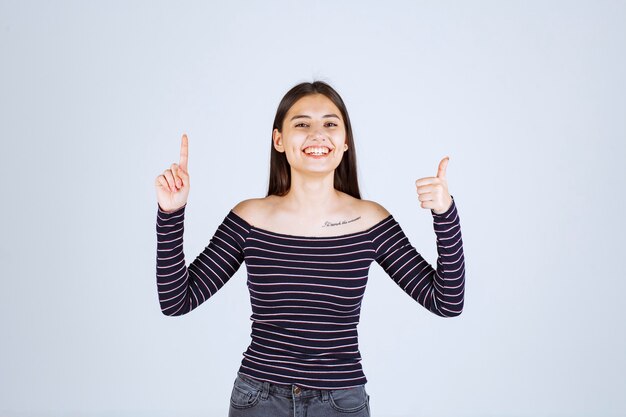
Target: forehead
x: 314, y: 105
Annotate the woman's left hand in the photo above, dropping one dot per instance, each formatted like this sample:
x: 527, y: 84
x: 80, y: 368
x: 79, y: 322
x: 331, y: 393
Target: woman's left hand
x: 433, y: 191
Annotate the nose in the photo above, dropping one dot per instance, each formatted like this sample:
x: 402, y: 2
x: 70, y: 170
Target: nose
x: 319, y: 136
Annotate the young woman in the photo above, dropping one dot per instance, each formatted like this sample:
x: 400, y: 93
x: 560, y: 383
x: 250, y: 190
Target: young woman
x: 308, y: 246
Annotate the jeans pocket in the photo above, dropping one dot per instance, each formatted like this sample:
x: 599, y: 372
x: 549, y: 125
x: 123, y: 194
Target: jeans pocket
x: 349, y: 400
x: 244, y: 395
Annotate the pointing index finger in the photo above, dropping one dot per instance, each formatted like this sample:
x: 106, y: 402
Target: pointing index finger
x: 184, y: 152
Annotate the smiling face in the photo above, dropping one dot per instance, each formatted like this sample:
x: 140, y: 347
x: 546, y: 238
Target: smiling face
x: 313, y: 135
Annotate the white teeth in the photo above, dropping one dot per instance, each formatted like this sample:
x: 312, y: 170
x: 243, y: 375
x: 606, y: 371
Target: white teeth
x: 315, y: 150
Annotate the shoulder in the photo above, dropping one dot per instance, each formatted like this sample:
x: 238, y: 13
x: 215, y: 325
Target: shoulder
x: 246, y: 206
x: 253, y: 209
x: 372, y: 211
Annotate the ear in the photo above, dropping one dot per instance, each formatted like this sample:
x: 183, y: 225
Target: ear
x: 277, y: 138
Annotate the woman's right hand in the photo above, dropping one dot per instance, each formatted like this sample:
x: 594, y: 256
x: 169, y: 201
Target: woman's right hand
x: 172, y: 187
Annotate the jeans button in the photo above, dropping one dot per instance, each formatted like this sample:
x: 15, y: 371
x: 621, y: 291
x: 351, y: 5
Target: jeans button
x: 296, y: 389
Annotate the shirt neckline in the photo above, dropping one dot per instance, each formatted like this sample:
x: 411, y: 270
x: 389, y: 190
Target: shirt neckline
x: 309, y: 237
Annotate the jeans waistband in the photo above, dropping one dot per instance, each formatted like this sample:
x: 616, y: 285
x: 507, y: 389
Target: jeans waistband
x: 283, y: 390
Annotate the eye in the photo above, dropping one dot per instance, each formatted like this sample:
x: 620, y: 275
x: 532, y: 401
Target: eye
x: 331, y: 124
x: 301, y: 124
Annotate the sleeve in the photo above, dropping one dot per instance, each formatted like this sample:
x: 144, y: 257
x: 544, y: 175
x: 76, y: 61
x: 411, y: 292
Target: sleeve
x: 441, y: 291
x: 182, y: 288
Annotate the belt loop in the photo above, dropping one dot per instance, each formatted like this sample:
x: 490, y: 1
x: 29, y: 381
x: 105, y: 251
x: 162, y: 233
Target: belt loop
x: 265, y: 390
x: 324, y: 395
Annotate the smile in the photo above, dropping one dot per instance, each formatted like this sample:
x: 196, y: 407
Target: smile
x: 316, y: 150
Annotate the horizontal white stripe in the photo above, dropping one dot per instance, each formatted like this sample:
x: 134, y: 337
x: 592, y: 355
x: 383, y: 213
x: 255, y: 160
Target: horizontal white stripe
x: 309, y: 300
x: 364, y: 277
x: 353, y: 323
x: 300, y: 268
x: 307, y: 292
x: 298, y: 262
x: 305, y: 284
x: 299, y: 370
x: 308, y: 379
x: 313, y: 360
x: 315, y: 364
x: 306, y: 254
x: 291, y: 336
x: 303, y: 247
x: 320, y: 354
x: 303, y: 307
x: 260, y: 315
x: 308, y: 348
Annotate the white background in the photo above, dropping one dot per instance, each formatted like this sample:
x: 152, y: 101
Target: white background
x: 528, y: 98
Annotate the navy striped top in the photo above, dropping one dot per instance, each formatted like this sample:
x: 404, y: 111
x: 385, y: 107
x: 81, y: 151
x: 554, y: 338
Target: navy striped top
x: 306, y: 292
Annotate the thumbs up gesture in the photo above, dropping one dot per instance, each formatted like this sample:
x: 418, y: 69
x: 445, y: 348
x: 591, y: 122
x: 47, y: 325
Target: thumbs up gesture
x: 433, y: 191
x: 172, y: 187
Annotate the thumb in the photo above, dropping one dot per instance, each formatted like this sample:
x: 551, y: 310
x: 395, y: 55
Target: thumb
x: 441, y: 172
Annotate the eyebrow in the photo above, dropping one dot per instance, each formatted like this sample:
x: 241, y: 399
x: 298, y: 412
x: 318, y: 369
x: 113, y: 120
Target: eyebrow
x: 308, y: 117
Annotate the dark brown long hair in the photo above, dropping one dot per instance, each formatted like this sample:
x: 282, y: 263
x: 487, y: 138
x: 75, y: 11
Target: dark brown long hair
x: 345, y: 178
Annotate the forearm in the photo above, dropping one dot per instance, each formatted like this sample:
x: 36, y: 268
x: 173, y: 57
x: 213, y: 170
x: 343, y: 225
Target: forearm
x: 172, y: 275
x: 448, y: 290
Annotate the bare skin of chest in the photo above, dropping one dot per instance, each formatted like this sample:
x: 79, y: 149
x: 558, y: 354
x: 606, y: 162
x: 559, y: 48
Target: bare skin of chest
x: 331, y: 225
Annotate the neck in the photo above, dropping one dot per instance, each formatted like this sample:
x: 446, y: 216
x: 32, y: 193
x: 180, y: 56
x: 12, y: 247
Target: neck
x: 312, y: 193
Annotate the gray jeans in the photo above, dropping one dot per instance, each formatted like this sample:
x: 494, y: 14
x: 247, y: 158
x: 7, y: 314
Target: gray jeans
x: 254, y: 398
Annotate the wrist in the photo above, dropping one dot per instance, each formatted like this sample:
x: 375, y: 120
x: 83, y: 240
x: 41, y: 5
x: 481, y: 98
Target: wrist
x: 446, y: 211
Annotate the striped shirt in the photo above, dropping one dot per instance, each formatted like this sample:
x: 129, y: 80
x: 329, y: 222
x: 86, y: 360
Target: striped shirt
x: 306, y: 292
